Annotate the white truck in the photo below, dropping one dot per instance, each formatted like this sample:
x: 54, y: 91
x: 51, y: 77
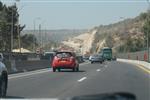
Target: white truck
x: 3, y: 77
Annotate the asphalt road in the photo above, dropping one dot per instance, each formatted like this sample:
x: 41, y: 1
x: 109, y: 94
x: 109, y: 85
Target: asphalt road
x: 95, y: 78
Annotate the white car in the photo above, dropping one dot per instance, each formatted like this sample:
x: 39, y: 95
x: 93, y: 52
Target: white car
x: 3, y: 77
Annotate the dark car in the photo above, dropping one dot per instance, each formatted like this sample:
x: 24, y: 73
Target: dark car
x: 3, y: 77
x: 65, y: 60
x: 96, y: 58
x: 86, y: 57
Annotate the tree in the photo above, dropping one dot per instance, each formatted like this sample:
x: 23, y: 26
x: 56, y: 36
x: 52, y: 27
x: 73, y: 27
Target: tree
x: 146, y: 28
x: 109, y: 41
x: 132, y: 45
x: 6, y: 15
x: 28, y: 41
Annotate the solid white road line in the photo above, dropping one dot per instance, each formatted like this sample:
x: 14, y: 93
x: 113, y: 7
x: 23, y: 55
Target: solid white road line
x: 98, y: 70
x: 28, y: 73
x: 80, y: 80
x: 24, y: 74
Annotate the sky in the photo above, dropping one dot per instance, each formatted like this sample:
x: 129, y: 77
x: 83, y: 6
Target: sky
x: 76, y: 14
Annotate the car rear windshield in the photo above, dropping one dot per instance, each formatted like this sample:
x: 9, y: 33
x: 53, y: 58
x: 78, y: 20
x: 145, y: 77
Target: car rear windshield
x: 95, y: 55
x: 63, y: 54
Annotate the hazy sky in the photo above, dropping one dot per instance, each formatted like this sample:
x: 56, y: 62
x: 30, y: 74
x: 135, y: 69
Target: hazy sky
x: 73, y: 14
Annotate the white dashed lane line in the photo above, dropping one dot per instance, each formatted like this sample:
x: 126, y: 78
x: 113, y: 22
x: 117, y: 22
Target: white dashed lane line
x: 98, y: 70
x: 28, y: 73
x: 82, y: 79
x: 25, y: 74
x: 106, y: 66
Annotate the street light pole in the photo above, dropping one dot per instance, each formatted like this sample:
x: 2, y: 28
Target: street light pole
x: 34, y: 25
x: 12, y: 30
x: 18, y: 28
x: 18, y: 31
x: 148, y: 46
x: 33, y: 38
x: 122, y: 18
x: 148, y: 11
x: 40, y: 35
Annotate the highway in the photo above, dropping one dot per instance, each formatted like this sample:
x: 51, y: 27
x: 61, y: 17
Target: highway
x: 95, y: 78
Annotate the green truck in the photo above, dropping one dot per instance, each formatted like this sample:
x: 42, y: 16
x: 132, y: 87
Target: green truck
x: 106, y: 52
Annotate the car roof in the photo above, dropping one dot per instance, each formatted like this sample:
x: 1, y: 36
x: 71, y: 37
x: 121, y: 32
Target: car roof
x: 64, y: 52
x: 72, y: 53
x: 95, y: 54
x: 49, y: 52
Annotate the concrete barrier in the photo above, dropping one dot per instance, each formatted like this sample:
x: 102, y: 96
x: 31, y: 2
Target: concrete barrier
x: 142, y: 63
x: 16, y: 66
x: 23, y: 66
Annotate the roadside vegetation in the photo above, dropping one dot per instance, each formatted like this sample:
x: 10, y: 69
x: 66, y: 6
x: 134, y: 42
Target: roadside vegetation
x: 9, y: 25
x: 131, y: 34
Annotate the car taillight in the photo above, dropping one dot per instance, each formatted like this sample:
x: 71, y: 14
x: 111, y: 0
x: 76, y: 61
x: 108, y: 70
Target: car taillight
x: 57, y: 58
x: 72, y: 59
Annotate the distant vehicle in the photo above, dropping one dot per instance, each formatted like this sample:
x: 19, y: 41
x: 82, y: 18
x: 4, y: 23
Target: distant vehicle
x: 80, y: 59
x: 49, y: 55
x: 3, y: 77
x: 107, y: 53
x: 96, y: 58
x: 85, y: 57
x: 65, y: 60
x: 114, y: 58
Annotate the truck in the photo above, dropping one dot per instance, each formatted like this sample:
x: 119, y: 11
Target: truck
x: 106, y: 52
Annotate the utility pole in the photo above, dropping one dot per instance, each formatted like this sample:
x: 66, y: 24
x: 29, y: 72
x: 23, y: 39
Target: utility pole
x: 148, y: 11
x: 18, y: 31
x: 12, y: 30
x: 40, y: 35
x: 34, y: 40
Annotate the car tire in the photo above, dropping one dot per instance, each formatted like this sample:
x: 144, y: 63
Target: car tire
x: 54, y: 70
x: 3, y: 87
x: 77, y: 69
x: 58, y: 69
x: 73, y: 69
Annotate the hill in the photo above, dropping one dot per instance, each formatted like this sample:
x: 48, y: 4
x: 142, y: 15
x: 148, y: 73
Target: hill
x: 55, y: 35
x: 123, y: 36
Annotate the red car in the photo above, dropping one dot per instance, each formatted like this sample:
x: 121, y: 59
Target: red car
x: 65, y: 60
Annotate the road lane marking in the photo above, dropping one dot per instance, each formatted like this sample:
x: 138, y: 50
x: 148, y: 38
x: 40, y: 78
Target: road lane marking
x: 28, y: 74
x: 143, y: 68
x: 80, y: 80
x: 98, y: 70
x: 24, y: 74
x: 137, y: 65
x: 106, y: 66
